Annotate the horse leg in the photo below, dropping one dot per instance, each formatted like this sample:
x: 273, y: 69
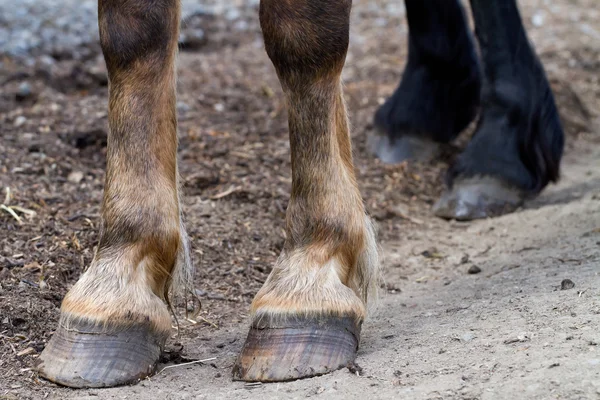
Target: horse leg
x: 114, y: 321
x: 438, y: 95
x: 516, y: 149
x: 307, y: 316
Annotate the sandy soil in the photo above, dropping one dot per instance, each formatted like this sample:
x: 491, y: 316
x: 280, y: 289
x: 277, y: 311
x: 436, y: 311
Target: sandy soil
x: 516, y: 329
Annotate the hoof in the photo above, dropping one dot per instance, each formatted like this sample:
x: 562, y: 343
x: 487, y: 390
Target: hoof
x: 406, y: 147
x: 478, y: 198
x: 297, y: 347
x: 84, y: 355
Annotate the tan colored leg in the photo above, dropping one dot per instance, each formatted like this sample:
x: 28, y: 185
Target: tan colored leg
x: 114, y: 321
x: 307, y: 316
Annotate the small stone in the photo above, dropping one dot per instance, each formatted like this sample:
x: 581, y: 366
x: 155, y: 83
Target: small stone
x: 20, y: 120
x: 474, y: 269
x: 523, y: 337
x: 467, y: 337
x: 192, y: 39
x: 182, y: 107
x: 24, y: 91
x: 538, y: 19
x: 75, y: 177
x: 567, y: 284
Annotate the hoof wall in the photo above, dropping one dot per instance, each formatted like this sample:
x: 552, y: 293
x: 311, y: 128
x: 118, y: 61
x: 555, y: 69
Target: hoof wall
x: 478, y: 198
x: 297, y: 347
x: 91, y: 356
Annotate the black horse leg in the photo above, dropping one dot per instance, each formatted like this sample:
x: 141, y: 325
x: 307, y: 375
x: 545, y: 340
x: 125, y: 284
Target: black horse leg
x: 439, y: 92
x: 516, y: 149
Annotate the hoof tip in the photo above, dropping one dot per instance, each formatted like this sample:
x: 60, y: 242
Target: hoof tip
x: 478, y: 198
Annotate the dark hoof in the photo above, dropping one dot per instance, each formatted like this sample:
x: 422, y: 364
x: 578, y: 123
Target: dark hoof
x: 406, y: 147
x: 478, y: 198
x: 297, y: 347
x: 86, y: 356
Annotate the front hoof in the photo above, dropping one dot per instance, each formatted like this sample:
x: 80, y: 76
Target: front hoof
x: 285, y: 348
x: 405, y: 147
x: 478, y: 198
x: 87, y: 355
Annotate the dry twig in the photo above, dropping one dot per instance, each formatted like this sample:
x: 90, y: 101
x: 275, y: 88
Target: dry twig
x: 187, y: 363
x: 11, y: 209
x: 226, y: 193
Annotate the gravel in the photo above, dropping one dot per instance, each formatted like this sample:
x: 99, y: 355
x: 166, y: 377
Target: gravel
x: 68, y: 29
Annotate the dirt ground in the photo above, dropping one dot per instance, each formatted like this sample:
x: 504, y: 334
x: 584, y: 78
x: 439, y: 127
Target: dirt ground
x: 516, y: 329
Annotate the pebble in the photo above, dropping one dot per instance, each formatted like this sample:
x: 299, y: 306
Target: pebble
x: 474, y: 269
x: 567, y: 284
x: 20, y: 120
x: 75, y: 177
x: 183, y: 107
x: 192, y: 38
x: 24, y: 92
x: 467, y: 337
x: 538, y: 19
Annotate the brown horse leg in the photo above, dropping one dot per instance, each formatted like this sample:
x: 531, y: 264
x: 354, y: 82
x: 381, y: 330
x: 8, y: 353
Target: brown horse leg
x: 307, y: 316
x: 114, y: 321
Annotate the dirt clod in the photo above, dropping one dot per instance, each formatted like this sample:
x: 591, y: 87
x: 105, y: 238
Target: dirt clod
x: 355, y: 369
x: 567, y: 284
x: 474, y: 269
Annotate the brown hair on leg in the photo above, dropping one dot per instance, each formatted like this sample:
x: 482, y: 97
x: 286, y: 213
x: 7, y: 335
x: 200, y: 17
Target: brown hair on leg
x: 114, y: 321
x: 308, y: 314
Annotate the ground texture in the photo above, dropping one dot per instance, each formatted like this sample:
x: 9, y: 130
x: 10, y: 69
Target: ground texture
x: 481, y: 310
